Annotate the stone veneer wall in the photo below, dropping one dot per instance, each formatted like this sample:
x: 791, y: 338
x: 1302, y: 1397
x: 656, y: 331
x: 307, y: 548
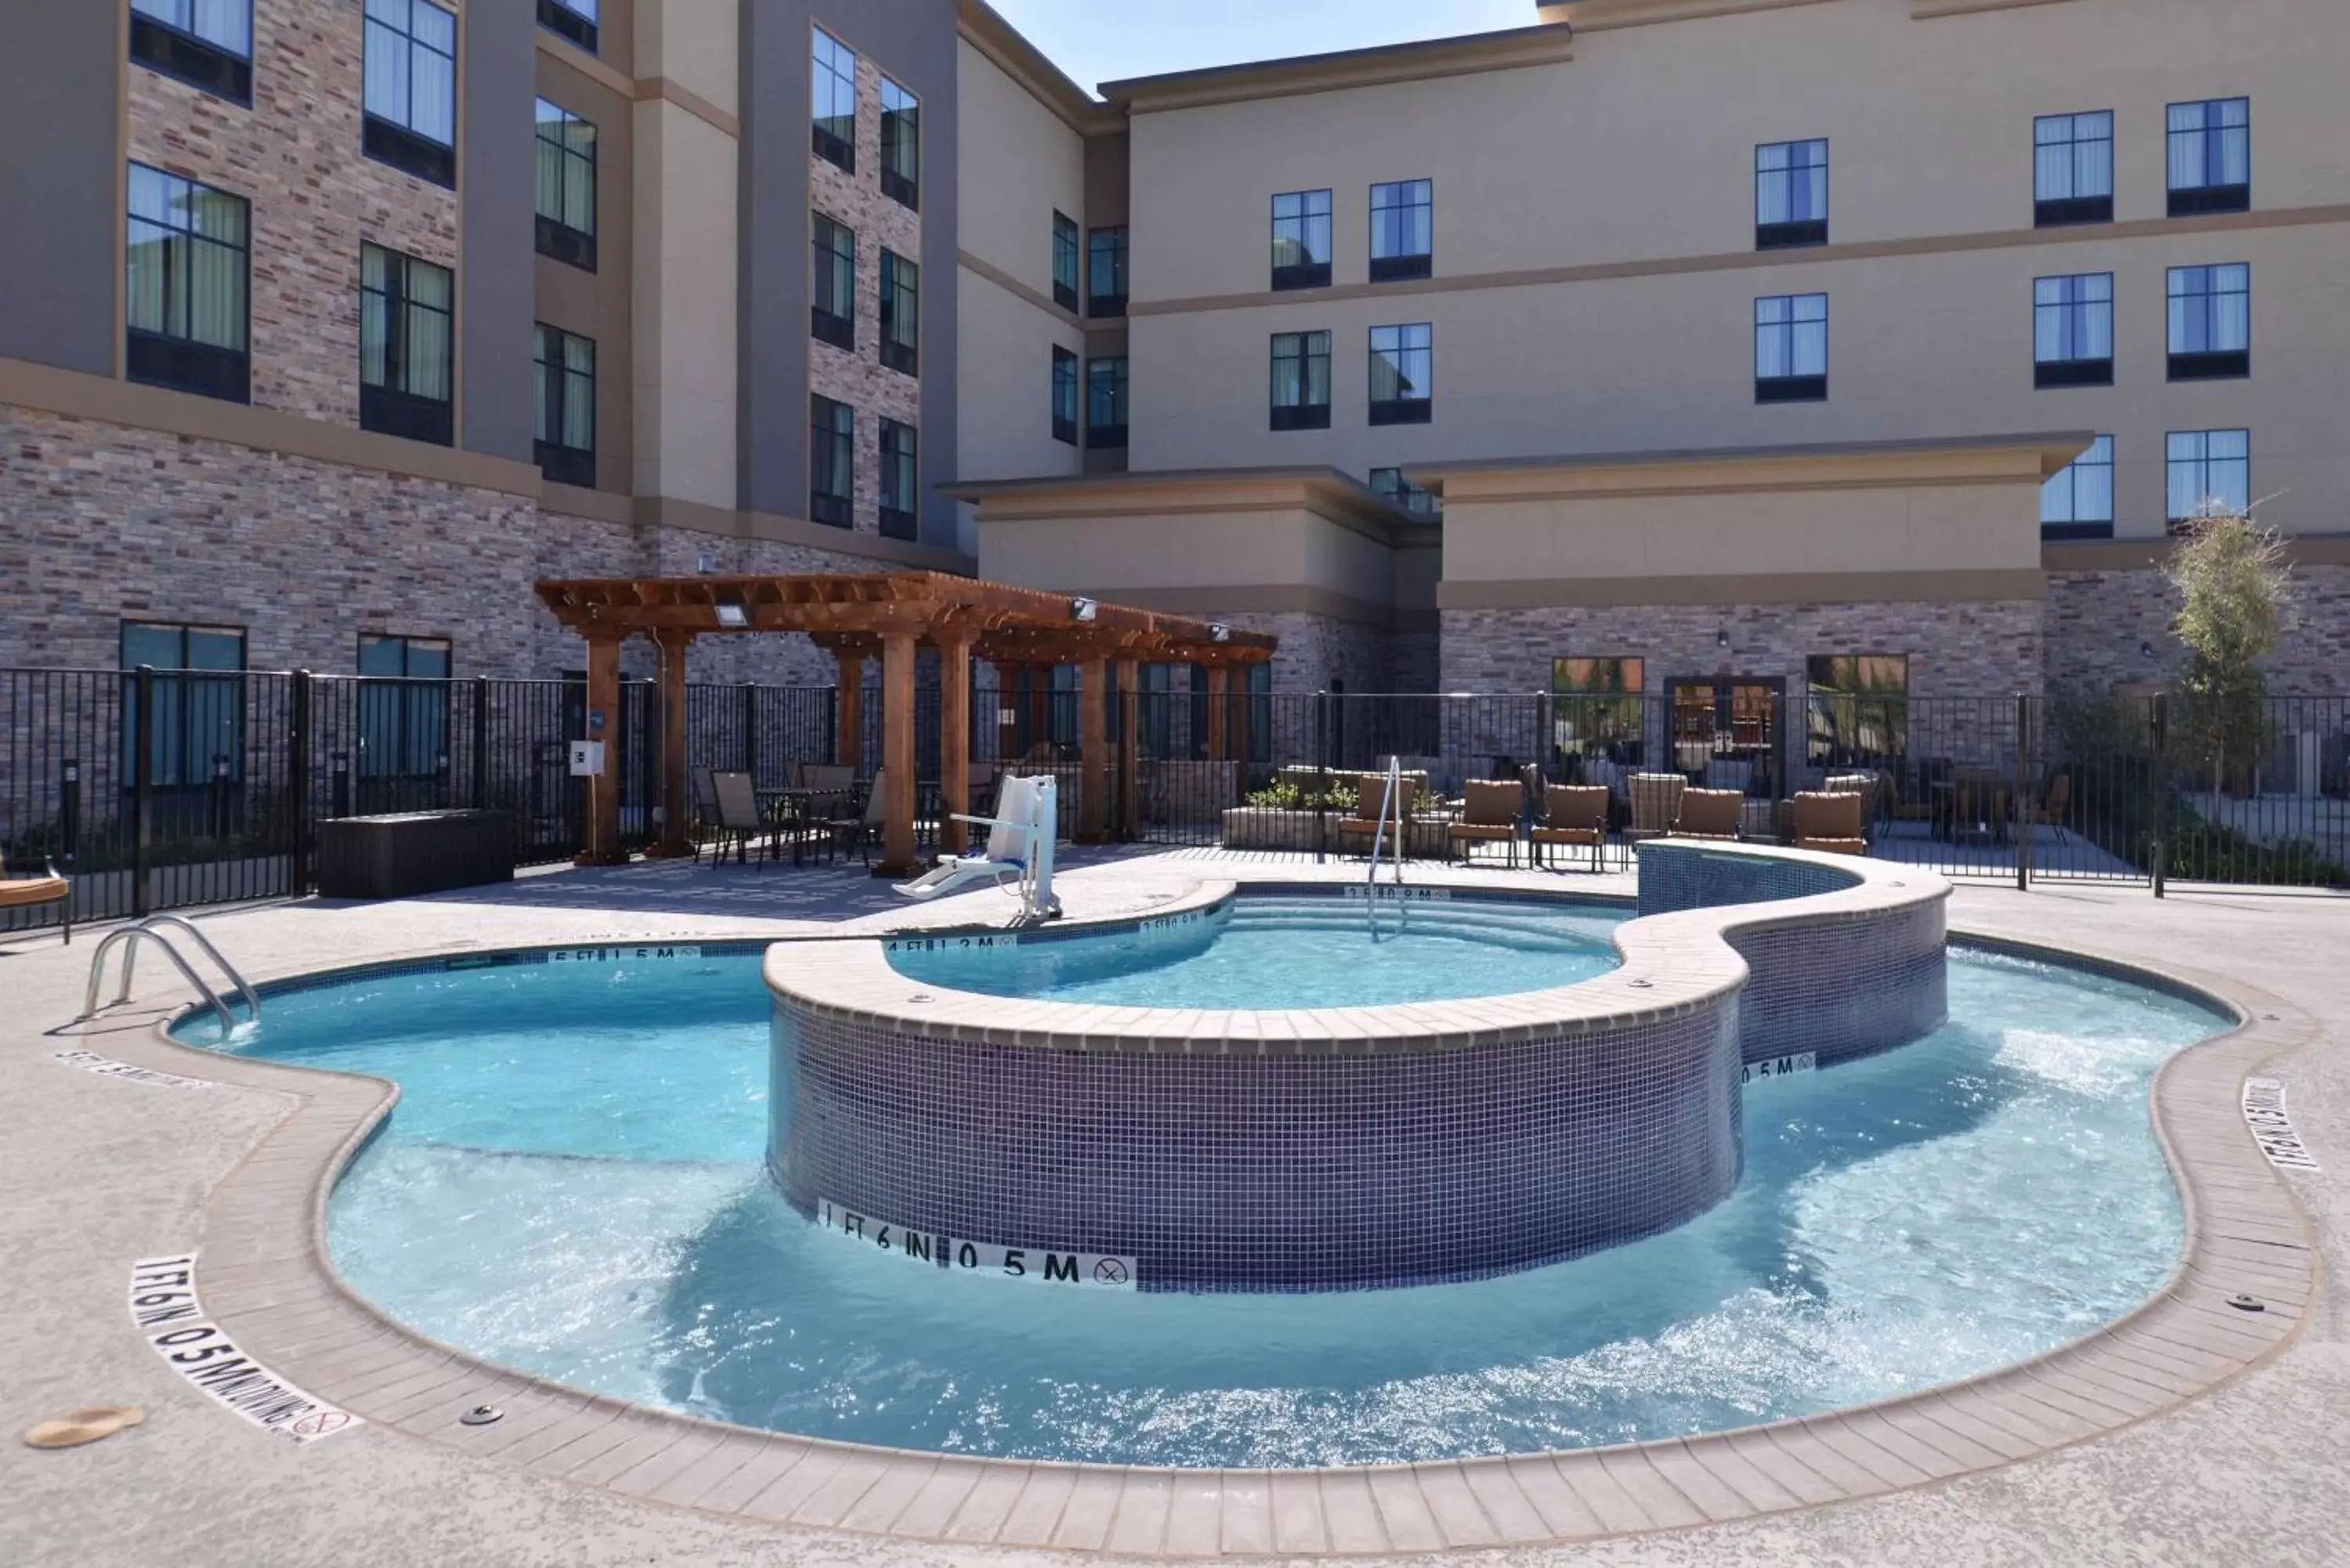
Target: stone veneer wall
x: 2099, y: 622
x: 1317, y: 650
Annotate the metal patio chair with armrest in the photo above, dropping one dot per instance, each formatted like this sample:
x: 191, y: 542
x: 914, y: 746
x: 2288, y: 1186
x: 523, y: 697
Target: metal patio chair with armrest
x: 1490, y: 813
x: 738, y: 819
x: 1370, y: 794
x: 1574, y: 815
x: 25, y: 888
x: 864, y: 831
x: 1709, y: 814
x: 1656, y: 803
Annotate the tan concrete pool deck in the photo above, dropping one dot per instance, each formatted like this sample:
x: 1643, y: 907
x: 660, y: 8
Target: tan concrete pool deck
x: 2192, y: 1433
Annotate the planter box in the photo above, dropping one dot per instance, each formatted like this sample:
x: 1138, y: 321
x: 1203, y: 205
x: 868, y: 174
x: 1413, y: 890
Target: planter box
x: 418, y: 852
x: 1269, y: 827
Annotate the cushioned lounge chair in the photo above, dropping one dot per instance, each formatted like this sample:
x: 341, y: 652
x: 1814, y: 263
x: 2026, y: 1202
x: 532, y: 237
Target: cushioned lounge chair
x: 28, y: 890
x: 1829, y: 822
x: 1574, y: 815
x: 1656, y: 802
x: 1371, y: 793
x: 1489, y: 815
x: 1709, y: 814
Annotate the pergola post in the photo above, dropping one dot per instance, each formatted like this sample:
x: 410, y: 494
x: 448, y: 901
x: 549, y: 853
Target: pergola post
x: 670, y: 650
x: 600, y: 838
x: 1130, y: 750
x: 1093, y: 750
x: 897, y: 755
x: 954, y: 741
x: 848, y: 745
x: 1220, y: 685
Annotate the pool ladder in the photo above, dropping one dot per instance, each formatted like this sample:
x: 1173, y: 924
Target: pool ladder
x: 157, y: 929
x: 1390, y: 801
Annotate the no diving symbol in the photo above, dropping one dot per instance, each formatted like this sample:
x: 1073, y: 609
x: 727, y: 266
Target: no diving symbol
x: 1110, y: 1272
x: 318, y: 1423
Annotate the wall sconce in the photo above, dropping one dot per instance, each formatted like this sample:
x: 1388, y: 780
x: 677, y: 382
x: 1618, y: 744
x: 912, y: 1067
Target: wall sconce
x: 1083, y: 609
x: 706, y: 563
x: 1722, y: 636
x: 1219, y: 634
x: 2146, y: 650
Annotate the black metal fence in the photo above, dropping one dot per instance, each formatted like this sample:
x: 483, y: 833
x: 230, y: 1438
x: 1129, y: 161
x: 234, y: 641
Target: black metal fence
x: 169, y: 788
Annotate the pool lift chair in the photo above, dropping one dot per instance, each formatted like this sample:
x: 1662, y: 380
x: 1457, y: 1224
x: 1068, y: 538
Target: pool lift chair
x: 1019, y: 843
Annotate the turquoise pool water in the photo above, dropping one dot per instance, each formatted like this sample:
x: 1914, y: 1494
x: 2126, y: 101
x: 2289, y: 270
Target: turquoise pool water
x: 1262, y: 953
x: 571, y: 1185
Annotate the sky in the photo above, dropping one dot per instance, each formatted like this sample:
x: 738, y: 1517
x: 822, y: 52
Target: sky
x: 1096, y: 41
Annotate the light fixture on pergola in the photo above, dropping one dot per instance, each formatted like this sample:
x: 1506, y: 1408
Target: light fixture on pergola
x: 889, y: 616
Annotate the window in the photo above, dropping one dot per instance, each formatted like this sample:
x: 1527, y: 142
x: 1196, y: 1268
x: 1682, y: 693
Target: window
x: 2211, y: 474
x: 1065, y: 396
x: 1065, y: 262
x: 187, y: 296
x: 833, y: 93
x: 1403, y: 377
x: 207, y: 43
x: 1596, y: 714
x: 406, y: 346
x: 574, y: 19
x: 2210, y: 322
x: 2212, y: 156
x: 1791, y: 194
x: 197, y: 731
x: 1859, y: 709
x: 2078, y: 503
x: 1390, y: 485
x: 411, y: 89
x: 1106, y: 273
x: 567, y: 186
x: 901, y: 312
x: 832, y: 462
x: 1105, y: 402
x: 901, y: 145
x: 1403, y: 231
x: 1791, y: 349
x: 1301, y: 240
x: 2072, y: 168
x: 403, y: 713
x: 832, y: 315
x: 564, y: 430
x: 2073, y: 330
x: 1301, y: 380
x: 902, y: 485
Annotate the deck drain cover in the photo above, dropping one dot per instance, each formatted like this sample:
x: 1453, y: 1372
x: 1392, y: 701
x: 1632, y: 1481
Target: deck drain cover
x: 482, y: 1416
x: 2242, y: 1302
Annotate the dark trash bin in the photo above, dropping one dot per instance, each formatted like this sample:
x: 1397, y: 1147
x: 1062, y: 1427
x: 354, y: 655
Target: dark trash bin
x: 401, y: 855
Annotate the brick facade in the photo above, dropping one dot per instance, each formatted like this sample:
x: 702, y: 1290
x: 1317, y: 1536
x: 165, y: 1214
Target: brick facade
x: 2105, y: 628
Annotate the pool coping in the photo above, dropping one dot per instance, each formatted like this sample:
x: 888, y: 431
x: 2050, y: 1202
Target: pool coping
x: 265, y: 1275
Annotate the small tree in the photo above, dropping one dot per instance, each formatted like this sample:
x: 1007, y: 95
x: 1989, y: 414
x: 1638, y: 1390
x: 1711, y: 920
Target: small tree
x: 2235, y: 592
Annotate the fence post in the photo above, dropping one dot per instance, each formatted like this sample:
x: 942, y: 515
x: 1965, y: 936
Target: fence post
x: 298, y: 781
x: 751, y: 730
x: 142, y: 793
x: 2024, y: 809
x: 2161, y: 856
x: 1321, y: 777
x: 480, y: 743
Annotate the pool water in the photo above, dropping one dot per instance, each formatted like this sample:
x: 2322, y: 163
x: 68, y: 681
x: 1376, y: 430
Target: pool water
x: 1267, y: 952
x: 571, y: 1185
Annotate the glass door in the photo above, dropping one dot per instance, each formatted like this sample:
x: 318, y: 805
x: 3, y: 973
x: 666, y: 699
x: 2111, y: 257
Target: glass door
x: 1729, y: 731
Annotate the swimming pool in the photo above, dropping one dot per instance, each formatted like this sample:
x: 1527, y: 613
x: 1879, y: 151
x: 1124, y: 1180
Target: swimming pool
x: 572, y: 1185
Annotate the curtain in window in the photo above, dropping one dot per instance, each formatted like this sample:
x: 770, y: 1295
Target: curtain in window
x: 216, y: 269
x: 578, y: 393
x: 2210, y: 309
x: 2209, y: 471
x: 431, y: 308
x: 387, y: 60
x: 1399, y: 363
x: 2073, y: 317
x: 580, y: 174
x: 551, y: 160
x: 433, y: 70
x: 2084, y: 490
x: 1791, y: 182
x: 2210, y: 144
x: 1791, y: 335
x: 151, y: 252
x: 375, y: 321
x: 2074, y: 156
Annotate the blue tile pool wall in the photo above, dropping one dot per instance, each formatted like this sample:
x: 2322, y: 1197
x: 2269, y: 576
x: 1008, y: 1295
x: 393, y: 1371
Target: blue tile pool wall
x: 1243, y: 1172
x: 1682, y: 877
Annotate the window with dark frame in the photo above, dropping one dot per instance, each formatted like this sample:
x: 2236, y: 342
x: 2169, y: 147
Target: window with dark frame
x: 207, y: 43
x: 832, y: 462
x: 572, y: 19
x: 411, y: 89
x: 1106, y: 403
x: 1301, y: 380
x: 1390, y: 485
x: 564, y: 429
x: 901, y: 312
x: 565, y: 186
x: 1106, y: 273
x: 2072, y: 168
x: 187, y: 293
x: 1791, y: 194
x: 1301, y: 240
x: 403, y: 701
x: 2211, y: 157
x: 1858, y: 709
x: 407, y: 346
x: 196, y: 732
x: 1066, y: 261
x: 901, y: 486
x: 2210, y: 322
x: 1791, y: 349
x: 1065, y: 396
x: 833, y: 94
x: 1597, y: 714
x: 2209, y: 473
x: 832, y: 310
x: 2073, y: 330
x: 2078, y: 502
x: 1403, y: 231
x: 901, y: 145
x: 1403, y: 374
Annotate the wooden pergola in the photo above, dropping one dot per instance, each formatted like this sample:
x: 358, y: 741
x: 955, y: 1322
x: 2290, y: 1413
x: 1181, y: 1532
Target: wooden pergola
x: 890, y: 616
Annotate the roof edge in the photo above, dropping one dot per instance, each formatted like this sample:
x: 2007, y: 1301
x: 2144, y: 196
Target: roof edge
x: 1545, y: 43
x: 985, y: 29
x: 2068, y: 442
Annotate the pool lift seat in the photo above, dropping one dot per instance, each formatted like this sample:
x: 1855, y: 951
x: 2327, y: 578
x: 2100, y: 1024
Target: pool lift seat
x: 1019, y: 843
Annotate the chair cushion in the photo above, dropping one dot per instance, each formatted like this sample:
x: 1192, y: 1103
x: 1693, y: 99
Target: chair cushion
x: 1709, y: 814
x: 1491, y: 804
x: 27, y: 890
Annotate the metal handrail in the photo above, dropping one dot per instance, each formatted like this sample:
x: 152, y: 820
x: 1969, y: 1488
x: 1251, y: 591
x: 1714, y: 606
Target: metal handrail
x: 154, y: 929
x: 1391, y: 798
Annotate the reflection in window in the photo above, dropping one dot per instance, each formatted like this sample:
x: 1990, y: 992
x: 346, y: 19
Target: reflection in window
x: 1791, y: 194
x: 411, y: 89
x: 1301, y: 240
x: 1403, y: 230
x: 197, y: 730
x: 187, y: 299
x: 1859, y: 710
x: 901, y: 145
x: 1596, y: 716
x: 403, y: 714
x: 833, y: 91
x: 2211, y: 474
x: 2078, y: 503
x: 1403, y: 374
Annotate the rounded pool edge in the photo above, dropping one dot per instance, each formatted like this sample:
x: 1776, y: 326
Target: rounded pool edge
x: 2093, y: 1387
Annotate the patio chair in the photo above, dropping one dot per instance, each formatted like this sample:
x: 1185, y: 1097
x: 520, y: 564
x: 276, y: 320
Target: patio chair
x: 738, y: 820
x: 1709, y: 814
x: 1868, y: 786
x: 705, y: 809
x: 1370, y: 792
x: 2054, y: 806
x: 31, y: 889
x: 1574, y: 815
x: 1656, y: 802
x: 1489, y: 815
x: 863, y: 831
x: 1829, y: 822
